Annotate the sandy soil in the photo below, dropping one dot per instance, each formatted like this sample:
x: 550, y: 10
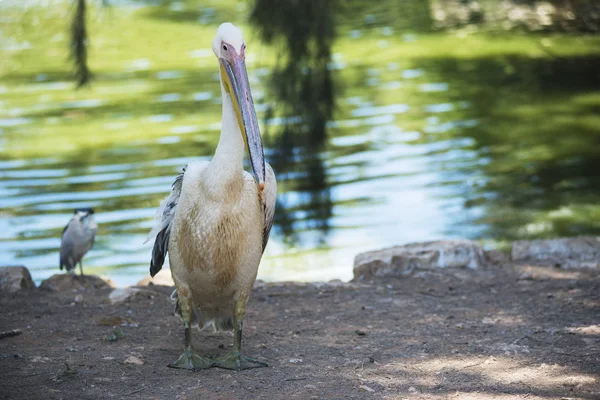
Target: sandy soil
x: 505, y: 333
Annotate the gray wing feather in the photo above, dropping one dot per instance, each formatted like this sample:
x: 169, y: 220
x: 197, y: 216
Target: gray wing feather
x: 268, y: 197
x: 162, y: 231
x: 66, y: 249
x: 65, y: 228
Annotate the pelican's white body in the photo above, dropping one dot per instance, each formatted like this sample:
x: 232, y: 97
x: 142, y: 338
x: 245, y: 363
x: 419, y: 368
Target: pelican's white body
x: 216, y: 241
x: 217, y: 232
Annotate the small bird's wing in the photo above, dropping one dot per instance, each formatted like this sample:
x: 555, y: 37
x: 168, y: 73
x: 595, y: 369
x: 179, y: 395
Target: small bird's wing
x: 268, y: 197
x: 66, y: 249
x: 65, y: 228
x: 164, y: 221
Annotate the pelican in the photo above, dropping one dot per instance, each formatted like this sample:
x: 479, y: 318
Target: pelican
x: 77, y: 238
x: 215, y: 223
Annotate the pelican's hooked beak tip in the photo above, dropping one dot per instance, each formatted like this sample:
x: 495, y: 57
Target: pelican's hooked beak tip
x: 261, y: 186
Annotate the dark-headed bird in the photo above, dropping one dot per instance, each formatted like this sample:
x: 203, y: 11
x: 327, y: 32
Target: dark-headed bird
x: 77, y: 238
x: 216, y: 222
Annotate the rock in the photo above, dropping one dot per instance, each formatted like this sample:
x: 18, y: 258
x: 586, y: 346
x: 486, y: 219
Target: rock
x: 123, y: 294
x: 296, y: 361
x: 39, y: 359
x: 403, y: 260
x: 133, y: 360
x: 163, y: 278
x: 310, y: 387
x: 15, y: 279
x: 366, y: 389
x: 78, y: 299
x: 67, y: 282
x: 577, y: 252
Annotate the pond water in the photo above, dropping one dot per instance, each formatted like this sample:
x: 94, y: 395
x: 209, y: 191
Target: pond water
x: 480, y: 135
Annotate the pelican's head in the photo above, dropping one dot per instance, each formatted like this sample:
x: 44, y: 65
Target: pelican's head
x: 230, y: 49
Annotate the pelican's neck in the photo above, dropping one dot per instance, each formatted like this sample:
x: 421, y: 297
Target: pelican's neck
x: 230, y: 150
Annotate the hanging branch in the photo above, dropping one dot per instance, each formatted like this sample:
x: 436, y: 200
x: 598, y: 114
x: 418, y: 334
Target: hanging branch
x: 79, y: 45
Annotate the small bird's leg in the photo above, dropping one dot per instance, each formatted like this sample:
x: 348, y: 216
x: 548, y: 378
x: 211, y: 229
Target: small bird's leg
x: 80, y: 268
x: 235, y: 359
x: 189, y: 359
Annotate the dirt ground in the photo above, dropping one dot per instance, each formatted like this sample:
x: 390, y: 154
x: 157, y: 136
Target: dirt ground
x: 507, y: 332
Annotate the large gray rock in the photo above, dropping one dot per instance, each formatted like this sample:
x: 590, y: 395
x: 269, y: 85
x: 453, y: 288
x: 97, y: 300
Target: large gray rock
x: 68, y: 282
x: 15, y: 279
x: 403, y: 260
x: 577, y: 252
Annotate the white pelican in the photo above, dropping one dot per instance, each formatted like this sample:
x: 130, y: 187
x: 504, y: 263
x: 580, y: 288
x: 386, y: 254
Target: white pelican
x: 77, y: 238
x: 215, y: 224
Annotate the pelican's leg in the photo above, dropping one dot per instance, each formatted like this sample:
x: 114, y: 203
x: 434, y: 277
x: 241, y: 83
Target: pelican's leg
x: 80, y: 268
x: 235, y: 359
x: 189, y: 359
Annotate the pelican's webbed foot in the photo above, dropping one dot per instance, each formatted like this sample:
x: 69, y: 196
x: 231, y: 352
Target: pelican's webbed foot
x: 237, y: 361
x: 192, y: 361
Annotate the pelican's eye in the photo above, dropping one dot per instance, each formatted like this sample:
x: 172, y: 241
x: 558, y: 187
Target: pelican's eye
x: 225, y: 47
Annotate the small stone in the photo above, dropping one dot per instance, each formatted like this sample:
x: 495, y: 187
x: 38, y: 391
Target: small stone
x: 365, y: 388
x: 78, y: 299
x: 360, y: 332
x: 413, y: 390
x: 310, y: 387
x: 39, y: 359
x: 296, y: 360
x: 262, y: 346
x: 133, y: 360
x: 487, y: 321
x: 121, y: 295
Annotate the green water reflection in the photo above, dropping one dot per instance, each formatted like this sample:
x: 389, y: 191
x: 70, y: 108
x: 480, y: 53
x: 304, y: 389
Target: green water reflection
x: 385, y: 123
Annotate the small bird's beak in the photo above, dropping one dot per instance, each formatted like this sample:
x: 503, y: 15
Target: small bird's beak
x: 235, y: 79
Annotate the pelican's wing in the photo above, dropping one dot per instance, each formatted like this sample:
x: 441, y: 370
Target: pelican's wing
x: 164, y: 221
x: 269, y: 194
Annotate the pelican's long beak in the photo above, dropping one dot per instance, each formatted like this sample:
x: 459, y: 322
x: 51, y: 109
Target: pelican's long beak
x: 237, y: 85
